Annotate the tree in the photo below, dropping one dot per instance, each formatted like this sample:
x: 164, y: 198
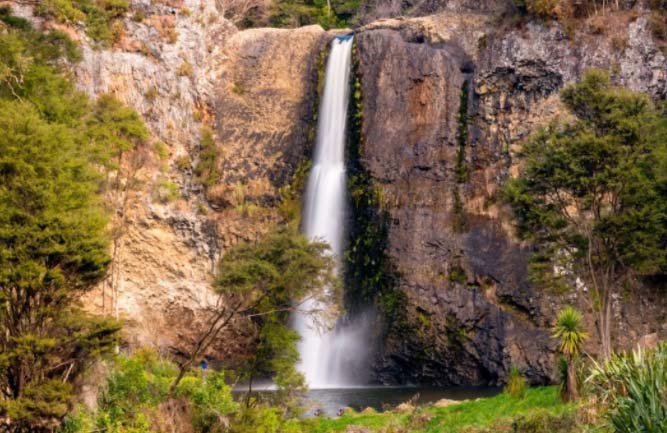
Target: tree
x: 261, y: 283
x: 570, y: 331
x: 591, y: 195
x: 52, y: 247
x: 53, y: 237
x: 116, y: 134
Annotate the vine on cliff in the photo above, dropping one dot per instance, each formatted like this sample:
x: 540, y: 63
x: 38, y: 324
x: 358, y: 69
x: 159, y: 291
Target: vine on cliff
x: 462, y: 171
x: 369, y: 277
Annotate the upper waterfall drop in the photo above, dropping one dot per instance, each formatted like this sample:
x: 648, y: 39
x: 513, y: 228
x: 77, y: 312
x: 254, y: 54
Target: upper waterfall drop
x: 325, y: 355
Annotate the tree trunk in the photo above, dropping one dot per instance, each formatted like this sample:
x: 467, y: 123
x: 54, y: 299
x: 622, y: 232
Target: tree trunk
x: 571, y: 386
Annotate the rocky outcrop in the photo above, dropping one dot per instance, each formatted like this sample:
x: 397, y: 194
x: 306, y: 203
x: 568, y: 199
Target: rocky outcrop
x: 447, y: 100
x: 184, y: 67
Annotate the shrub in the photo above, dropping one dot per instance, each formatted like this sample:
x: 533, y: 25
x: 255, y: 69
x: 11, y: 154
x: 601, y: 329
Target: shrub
x: 634, y: 386
x: 206, y: 170
x: 101, y: 17
x: 516, y: 384
x: 185, y: 70
x: 136, y: 399
x: 167, y: 191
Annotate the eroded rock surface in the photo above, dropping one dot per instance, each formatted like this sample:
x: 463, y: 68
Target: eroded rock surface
x: 471, y: 309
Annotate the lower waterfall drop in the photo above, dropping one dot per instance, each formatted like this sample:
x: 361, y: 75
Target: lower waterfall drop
x: 328, y: 358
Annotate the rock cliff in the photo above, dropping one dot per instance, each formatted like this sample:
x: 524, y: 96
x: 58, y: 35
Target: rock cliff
x: 446, y: 101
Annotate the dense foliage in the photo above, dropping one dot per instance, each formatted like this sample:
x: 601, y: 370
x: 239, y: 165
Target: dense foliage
x: 264, y: 279
x: 327, y: 13
x: 260, y: 284
x: 592, y: 195
x: 634, y: 385
x: 101, y: 17
x: 54, y: 150
x: 136, y: 398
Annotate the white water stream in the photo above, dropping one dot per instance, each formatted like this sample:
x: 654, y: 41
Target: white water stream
x: 327, y: 357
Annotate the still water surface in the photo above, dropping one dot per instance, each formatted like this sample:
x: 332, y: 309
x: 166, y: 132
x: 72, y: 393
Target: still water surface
x: 329, y: 401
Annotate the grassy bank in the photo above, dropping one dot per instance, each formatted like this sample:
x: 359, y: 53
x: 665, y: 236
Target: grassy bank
x: 539, y: 405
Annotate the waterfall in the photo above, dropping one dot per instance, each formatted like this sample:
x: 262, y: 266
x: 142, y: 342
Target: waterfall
x: 328, y: 359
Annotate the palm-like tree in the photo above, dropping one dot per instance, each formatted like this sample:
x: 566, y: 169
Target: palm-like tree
x: 570, y: 331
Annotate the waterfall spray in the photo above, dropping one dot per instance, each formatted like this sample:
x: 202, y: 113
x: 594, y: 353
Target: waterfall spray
x: 328, y: 358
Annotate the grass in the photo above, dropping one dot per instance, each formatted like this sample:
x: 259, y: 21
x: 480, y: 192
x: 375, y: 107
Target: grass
x: 455, y: 418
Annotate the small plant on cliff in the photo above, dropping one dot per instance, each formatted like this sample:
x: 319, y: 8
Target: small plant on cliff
x: 592, y: 195
x: 206, y: 170
x: 571, y: 334
x: 101, y: 17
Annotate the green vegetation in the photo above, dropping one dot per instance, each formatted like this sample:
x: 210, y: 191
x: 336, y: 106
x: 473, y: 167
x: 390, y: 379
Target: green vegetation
x: 635, y: 387
x: 101, y: 17
x: 516, y: 385
x: 327, y: 13
x: 468, y: 416
x: 136, y: 399
x: 592, y: 194
x: 296, y: 13
x: 369, y: 275
x: 257, y: 283
x: 207, y: 170
x: 462, y: 171
x: 56, y: 150
x: 570, y: 332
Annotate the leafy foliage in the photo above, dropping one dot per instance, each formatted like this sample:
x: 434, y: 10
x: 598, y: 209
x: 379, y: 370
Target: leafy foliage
x: 591, y: 195
x: 635, y: 387
x: 136, y: 399
x: 328, y: 14
x: 570, y: 331
x: 101, y: 17
x: 207, y: 169
x: 264, y: 279
x: 53, y: 240
x: 296, y: 13
x: 516, y: 384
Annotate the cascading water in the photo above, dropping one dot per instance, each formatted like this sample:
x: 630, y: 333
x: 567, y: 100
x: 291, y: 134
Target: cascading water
x: 329, y: 359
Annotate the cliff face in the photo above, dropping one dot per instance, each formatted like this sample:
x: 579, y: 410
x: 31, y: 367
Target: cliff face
x: 447, y: 100
x: 184, y: 67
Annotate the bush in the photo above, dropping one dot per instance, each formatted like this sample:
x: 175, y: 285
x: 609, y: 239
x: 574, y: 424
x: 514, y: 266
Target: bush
x: 136, y: 399
x: 101, y: 17
x: 635, y: 387
x: 207, y: 169
x: 516, y: 384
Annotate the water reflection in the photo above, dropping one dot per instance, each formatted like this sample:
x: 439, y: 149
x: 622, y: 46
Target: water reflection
x: 330, y: 401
